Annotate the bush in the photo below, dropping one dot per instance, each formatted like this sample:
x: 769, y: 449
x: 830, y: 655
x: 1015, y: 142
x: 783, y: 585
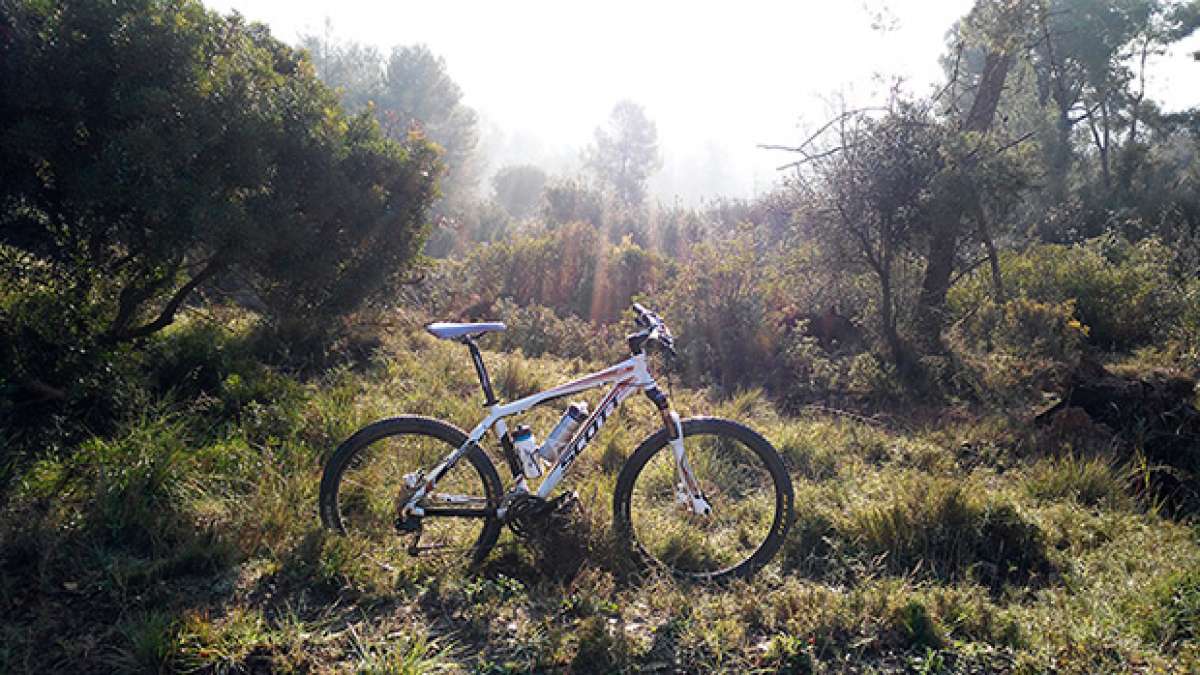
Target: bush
x: 537, y: 330
x: 1185, y: 336
x: 811, y: 373
x: 223, y: 157
x: 1018, y: 347
x: 570, y: 269
x: 716, y: 306
x: 58, y: 382
x: 1125, y: 293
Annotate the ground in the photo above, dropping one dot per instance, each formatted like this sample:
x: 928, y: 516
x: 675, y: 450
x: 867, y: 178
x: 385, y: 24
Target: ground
x: 965, y: 541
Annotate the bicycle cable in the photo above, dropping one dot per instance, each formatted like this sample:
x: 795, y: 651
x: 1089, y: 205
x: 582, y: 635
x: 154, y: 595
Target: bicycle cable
x: 669, y: 362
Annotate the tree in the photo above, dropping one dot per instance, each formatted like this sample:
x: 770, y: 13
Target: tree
x: 353, y: 69
x: 518, y: 189
x: 409, y: 88
x: 569, y: 201
x: 996, y: 28
x: 417, y: 90
x: 898, y: 192
x: 1078, y: 89
x: 157, y: 148
x: 624, y: 155
x: 869, y: 194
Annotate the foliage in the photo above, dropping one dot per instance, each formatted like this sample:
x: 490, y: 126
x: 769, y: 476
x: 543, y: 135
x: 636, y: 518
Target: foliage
x: 1017, y: 349
x: 1123, y: 293
x: 537, y: 330
x: 518, y: 189
x: 869, y: 195
x: 624, y: 155
x: 572, y: 201
x: 408, y: 88
x: 185, y: 541
x: 416, y: 89
x: 570, y: 269
x: 349, y: 68
x: 716, y: 302
x: 158, y: 148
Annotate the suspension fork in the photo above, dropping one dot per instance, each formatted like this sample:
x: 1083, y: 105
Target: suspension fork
x: 688, y: 488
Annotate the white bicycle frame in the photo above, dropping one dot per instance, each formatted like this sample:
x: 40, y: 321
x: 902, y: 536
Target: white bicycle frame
x: 627, y: 377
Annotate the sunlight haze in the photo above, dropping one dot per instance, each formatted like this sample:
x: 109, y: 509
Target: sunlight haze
x: 718, y: 79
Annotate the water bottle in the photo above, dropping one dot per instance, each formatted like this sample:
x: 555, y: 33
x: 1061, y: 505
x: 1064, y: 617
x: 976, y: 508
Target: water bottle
x: 527, y: 450
x: 574, y: 416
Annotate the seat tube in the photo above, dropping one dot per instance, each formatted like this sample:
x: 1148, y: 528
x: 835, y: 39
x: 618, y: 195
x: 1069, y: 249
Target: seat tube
x: 481, y: 371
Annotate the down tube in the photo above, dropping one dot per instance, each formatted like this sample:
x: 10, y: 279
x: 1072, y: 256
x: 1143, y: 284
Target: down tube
x: 585, y: 435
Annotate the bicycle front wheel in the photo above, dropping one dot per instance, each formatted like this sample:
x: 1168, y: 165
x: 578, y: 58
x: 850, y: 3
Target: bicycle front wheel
x: 366, y: 483
x: 745, y: 483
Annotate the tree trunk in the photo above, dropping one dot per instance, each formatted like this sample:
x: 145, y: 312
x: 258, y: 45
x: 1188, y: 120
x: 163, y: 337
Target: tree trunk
x: 887, y: 317
x: 1060, y: 158
x: 945, y: 233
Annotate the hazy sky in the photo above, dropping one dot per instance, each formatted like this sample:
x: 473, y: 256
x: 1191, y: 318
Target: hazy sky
x: 717, y: 77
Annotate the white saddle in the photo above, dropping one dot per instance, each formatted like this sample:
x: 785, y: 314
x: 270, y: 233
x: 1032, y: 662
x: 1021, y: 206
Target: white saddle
x: 453, y: 331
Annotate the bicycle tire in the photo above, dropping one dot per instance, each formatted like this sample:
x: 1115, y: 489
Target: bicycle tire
x: 754, y: 445
x: 444, y: 437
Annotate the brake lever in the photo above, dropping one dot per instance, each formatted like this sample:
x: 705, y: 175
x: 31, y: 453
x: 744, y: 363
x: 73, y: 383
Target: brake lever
x: 669, y: 346
x: 663, y: 338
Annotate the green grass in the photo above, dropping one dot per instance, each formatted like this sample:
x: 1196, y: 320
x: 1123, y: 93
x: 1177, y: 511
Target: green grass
x: 188, y: 541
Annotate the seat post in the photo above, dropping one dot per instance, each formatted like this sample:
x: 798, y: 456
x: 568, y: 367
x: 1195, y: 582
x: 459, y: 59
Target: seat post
x: 481, y: 371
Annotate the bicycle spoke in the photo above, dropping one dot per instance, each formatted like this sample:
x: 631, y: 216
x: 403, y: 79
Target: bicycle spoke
x: 739, y: 487
x: 373, y: 488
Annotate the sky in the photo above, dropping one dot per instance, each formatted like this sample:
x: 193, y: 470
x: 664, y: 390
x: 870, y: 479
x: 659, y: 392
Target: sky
x: 718, y: 78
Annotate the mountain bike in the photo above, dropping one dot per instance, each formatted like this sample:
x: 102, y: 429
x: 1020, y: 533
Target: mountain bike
x: 704, y: 498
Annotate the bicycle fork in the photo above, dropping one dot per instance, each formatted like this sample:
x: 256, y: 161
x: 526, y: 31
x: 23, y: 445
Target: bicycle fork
x: 687, y: 489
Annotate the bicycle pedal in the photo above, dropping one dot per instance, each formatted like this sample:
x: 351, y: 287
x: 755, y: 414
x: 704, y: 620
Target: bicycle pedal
x: 564, y: 503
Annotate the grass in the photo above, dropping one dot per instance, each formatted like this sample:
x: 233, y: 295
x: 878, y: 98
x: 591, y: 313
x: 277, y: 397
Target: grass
x: 188, y: 541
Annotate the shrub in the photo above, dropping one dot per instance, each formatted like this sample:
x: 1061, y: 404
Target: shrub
x: 223, y: 158
x: 57, y: 379
x: 1017, y: 347
x: 1125, y: 293
x: 1185, y: 335
x: 570, y: 269
x: 537, y: 330
x: 716, y: 306
x: 811, y: 373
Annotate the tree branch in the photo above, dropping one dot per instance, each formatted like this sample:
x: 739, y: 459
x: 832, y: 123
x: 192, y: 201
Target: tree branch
x: 812, y: 158
x: 966, y: 270
x: 167, y: 315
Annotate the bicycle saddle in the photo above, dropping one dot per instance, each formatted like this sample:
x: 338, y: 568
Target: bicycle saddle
x: 451, y: 331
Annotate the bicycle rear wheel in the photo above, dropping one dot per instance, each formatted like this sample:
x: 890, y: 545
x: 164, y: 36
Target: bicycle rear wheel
x: 364, y: 486
x: 744, y: 481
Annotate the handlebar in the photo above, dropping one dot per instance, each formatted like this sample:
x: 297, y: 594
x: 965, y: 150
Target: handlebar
x: 654, y: 329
